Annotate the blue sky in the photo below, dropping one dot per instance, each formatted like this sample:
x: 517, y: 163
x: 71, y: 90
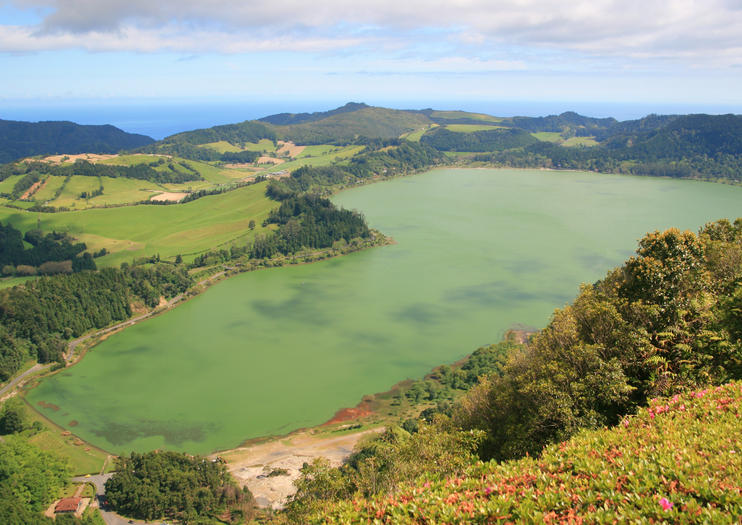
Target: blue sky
x: 684, y: 52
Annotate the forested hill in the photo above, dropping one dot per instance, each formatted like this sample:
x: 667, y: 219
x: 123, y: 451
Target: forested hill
x: 284, y: 119
x: 25, y: 139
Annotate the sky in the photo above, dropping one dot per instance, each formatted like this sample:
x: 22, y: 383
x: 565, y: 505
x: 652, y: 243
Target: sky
x: 411, y: 53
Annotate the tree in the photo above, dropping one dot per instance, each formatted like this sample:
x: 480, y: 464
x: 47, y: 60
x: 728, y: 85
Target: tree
x: 13, y: 417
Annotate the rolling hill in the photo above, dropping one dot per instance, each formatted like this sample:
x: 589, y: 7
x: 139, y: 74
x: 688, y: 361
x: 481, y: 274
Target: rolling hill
x: 24, y: 139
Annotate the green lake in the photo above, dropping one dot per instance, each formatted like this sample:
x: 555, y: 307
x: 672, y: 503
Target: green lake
x: 267, y: 352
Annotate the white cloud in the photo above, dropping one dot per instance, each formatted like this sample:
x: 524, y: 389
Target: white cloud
x: 693, y: 31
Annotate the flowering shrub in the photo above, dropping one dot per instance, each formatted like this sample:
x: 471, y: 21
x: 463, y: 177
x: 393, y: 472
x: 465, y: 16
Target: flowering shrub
x: 677, y: 461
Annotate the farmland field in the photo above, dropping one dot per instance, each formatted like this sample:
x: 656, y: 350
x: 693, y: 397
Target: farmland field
x: 136, y: 231
x: 470, y: 128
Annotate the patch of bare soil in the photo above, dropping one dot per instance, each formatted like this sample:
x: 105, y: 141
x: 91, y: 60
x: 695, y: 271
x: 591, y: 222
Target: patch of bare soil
x: 289, y: 148
x: 44, y: 404
x: 169, y: 196
x: 270, y: 160
x: 90, y: 157
x: 252, y: 465
x: 36, y: 186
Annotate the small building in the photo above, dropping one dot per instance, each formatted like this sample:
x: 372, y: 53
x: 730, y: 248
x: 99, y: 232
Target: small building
x: 68, y: 506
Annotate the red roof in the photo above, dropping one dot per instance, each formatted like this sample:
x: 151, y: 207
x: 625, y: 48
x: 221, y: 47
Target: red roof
x: 67, y: 505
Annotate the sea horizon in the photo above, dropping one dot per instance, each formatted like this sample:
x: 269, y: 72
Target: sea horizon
x: 158, y: 118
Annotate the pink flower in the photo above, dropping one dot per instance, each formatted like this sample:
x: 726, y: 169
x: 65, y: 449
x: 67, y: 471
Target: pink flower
x: 665, y: 504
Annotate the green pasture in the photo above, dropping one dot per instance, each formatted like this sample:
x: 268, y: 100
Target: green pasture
x: 9, y: 282
x: 317, y: 150
x: 454, y: 115
x: 414, y: 136
x: 6, y: 186
x: 131, y: 160
x: 47, y: 192
x: 221, y: 147
x: 70, y: 196
x: 548, y: 136
x: 320, y: 160
x: 470, y: 128
x: 580, y: 141
x: 83, y: 458
x: 136, y: 231
x: 263, y: 145
x: 120, y: 190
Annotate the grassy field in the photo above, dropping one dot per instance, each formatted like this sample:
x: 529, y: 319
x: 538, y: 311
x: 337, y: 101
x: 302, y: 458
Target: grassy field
x: 320, y: 160
x: 263, y: 145
x: 414, y: 136
x: 221, y: 147
x: 317, y: 150
x: 136, y: 231
x: 455, y: 115
x: 121, y: 191
x: 131, y: 160
x: 6, y: 186
x: 70, y: 196
x: 548, y: 136
x: 9, y: 282
x: 470, y: 128
x: 580, y: 141
x: 47, y: 192
x: 84, y: 458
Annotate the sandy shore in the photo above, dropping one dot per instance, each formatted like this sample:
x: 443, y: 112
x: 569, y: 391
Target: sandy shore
x: 251, y: 465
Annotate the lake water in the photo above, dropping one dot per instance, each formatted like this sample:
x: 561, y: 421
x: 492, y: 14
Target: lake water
x: 275, y: 350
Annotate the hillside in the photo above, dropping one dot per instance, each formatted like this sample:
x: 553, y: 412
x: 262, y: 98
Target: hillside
x: 285, y: 119
x: 346, y: 126
x: 676, y: 461
x: 25, y: 139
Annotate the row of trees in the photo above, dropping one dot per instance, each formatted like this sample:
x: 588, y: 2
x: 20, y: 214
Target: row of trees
x: 168, y: 172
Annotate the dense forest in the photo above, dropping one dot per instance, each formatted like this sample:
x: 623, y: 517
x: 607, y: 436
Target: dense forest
x: 699, y: 146
x: 25, y: 139
x: 38, y: 318
x: 308, y: 221
x: 54, y: 247
x: 176, y: 486
x: 30, y: 480
x: 666, y: 322
x: 486, y: 140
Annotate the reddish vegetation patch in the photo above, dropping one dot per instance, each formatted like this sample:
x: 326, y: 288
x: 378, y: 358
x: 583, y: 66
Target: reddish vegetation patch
x: 72, y: 423
x: 44, y: 404
x: 349, y: 414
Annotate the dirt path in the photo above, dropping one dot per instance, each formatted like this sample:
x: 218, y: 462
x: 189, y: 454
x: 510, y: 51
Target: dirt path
x: 251, y: 465
x: 7, y: 389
